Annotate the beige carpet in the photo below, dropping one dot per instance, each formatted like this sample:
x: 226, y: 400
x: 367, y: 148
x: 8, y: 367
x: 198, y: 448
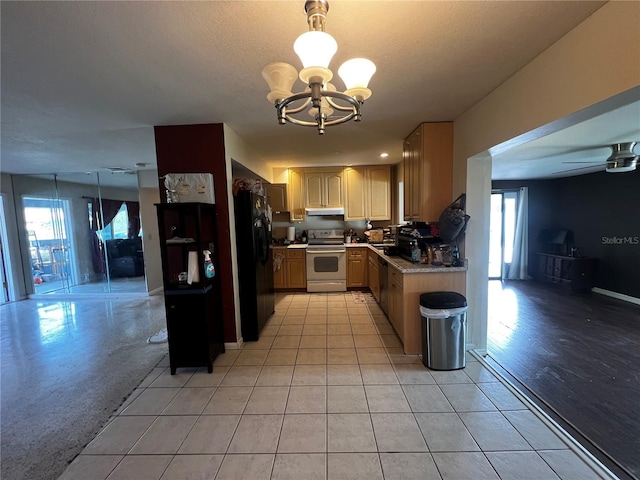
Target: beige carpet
x: 66, y: 367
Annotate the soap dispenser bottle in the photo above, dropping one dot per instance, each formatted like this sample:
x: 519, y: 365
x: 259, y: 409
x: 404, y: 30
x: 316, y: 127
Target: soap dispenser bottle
x: 209, y: 269
x: 415, y: 252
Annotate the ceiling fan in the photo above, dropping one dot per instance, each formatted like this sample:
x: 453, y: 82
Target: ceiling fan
x: 622, y: 159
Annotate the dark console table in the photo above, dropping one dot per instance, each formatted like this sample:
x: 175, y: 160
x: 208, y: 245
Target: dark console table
x: 576, y: 272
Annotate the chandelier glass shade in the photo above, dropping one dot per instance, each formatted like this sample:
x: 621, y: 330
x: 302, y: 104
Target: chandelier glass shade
x: 320, y: 99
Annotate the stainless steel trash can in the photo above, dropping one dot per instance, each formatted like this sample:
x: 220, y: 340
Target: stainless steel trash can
x: 444, y: 332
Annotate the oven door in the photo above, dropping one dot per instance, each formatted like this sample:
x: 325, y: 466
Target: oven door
x: 326, y: 269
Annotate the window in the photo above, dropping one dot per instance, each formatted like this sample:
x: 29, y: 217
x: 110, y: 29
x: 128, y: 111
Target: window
x: 119, y: 226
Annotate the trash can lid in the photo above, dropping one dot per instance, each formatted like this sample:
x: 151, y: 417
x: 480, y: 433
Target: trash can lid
x: 438, y: 300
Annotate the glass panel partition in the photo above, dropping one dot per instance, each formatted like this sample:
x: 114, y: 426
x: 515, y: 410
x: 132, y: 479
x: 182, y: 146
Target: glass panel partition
x: 82, y: 233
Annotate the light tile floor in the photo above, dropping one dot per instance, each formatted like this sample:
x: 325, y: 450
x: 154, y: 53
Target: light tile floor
x: 326, y: 393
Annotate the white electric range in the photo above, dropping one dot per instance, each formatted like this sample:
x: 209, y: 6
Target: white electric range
x: 326, y: 261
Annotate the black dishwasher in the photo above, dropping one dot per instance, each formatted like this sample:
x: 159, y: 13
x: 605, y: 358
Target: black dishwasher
x: 384, y: 288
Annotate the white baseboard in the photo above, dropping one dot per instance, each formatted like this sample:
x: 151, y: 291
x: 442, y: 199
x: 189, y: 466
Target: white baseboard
x: 619, y: 296
x: 156, y: 291
x: 55, y: 297
x: 233, y: 345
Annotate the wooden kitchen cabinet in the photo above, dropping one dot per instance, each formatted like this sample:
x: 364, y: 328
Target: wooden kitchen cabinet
x: 277, y: 194
x: 396, y: 301
x: 357, y: 267
x: 355, y: 194
x: 292, y: 273
x: 428, y: 171
x: 403, y: 297
x: 295, y: 195
x: 367, y: 192
x: 279, y: 266
x: 323, y: 188
x: 296, y: 268
x: 373, y: 272
x: 378, y: 183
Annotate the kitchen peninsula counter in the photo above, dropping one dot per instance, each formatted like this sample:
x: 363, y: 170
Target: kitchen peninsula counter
x: 405, y: 266
x: 406, y: 282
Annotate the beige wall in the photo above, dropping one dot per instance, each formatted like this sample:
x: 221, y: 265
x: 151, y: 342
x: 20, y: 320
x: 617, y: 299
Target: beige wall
x: 150, y: 242
x: 149, y: 195
x: 237, y: 150
x: 597, y: 60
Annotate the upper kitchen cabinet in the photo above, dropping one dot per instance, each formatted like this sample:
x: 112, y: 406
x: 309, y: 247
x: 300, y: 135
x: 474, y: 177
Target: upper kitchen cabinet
x: 355, y: 198
x: 277, y: 193
x: 323, y: 188
x: 295, y: 195
x: 428, y: 171
x: 378, y: 183
x: 367, y: 192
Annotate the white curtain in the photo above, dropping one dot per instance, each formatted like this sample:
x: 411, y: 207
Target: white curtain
x: 520, y: 261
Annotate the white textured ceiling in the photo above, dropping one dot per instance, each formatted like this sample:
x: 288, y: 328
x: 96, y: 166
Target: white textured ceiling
x: 576, y: 150
x: 83, y: 83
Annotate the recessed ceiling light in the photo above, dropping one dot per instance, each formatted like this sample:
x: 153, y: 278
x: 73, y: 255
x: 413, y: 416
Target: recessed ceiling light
x: 384, y: 155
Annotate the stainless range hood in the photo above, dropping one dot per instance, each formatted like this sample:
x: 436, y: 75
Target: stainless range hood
x: 324, y: 211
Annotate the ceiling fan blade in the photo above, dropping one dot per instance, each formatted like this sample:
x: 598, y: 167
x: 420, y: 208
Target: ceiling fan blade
x: 595, y: 161
x: 575, y: 169
x: 554, y: 151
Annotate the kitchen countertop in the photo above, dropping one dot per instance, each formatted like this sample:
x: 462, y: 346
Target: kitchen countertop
x: 401, y: 264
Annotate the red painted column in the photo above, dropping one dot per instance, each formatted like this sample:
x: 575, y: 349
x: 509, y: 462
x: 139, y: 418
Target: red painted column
x: 200, y: 149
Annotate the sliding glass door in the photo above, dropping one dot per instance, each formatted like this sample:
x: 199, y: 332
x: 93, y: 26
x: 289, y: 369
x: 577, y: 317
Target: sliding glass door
x: 502, y: 231
x: 48, y: 223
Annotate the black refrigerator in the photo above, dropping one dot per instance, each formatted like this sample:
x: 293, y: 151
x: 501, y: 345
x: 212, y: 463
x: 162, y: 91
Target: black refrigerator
x: 255, y: 263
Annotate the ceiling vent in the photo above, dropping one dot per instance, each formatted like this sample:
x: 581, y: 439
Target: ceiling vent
x: 119, y: 170
x: 622, y: 158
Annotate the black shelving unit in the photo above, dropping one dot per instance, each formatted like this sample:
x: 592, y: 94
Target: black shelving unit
x: 192, y: 301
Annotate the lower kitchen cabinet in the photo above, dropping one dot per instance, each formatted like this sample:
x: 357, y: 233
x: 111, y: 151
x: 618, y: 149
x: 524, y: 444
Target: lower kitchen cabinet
x: 195, y: 333
x: 292, y: 270
x: 357, y: 267
x: 396, y: 301
x: 279, y: 274
x: 403, y: 297
x: 296, y: 268
x: 373, y: 272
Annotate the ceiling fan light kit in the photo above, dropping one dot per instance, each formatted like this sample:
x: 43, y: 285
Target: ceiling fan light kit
x: 321, y: 99
x: 622, y: 158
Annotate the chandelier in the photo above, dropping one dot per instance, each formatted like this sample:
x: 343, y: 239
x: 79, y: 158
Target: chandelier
x: 320, y: 99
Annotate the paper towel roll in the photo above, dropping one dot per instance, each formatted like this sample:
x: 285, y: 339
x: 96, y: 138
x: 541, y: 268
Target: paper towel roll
x: 192, y: 268
x: 291, y: 234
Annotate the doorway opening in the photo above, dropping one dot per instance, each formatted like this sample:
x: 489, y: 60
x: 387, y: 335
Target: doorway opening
x: 502, y: 229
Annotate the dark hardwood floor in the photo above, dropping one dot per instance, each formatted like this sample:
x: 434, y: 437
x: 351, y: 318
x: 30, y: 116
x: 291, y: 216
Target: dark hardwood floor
x: 579, y: 354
